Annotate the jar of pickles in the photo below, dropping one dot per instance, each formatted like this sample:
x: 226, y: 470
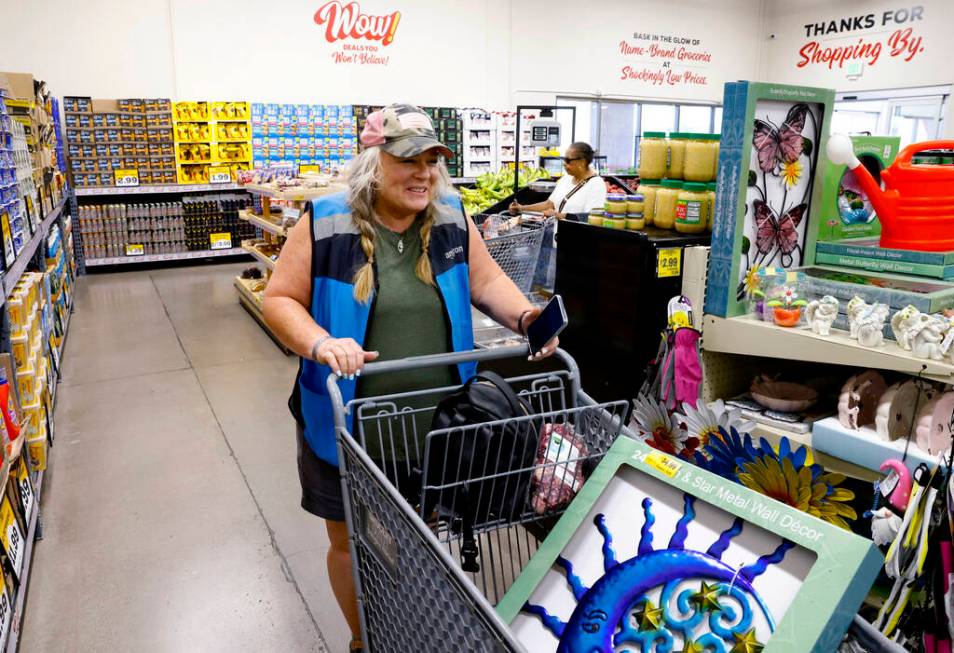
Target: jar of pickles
x: 635, y: 203
x: 653, y: 155
x: 666, y: 198
x: 615, y: 221
x: 692, y: 206
x: 635, y: 221
x: 710, y: 192
x: 698, y: 163
x: 714, y: 140
x: 615, y: 204
x: 647, y: 188
x: 677, y: 155
x: 596, y: 217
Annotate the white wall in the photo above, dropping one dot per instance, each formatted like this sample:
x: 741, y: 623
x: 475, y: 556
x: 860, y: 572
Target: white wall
x: 574, y: 48
x: 103, y: 48
x: 929, y: 66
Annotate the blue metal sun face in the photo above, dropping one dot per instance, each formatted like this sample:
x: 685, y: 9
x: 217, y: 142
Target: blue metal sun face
x: 704, y: 604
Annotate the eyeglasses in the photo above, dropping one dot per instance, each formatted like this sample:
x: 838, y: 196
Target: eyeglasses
x: 569, y: 159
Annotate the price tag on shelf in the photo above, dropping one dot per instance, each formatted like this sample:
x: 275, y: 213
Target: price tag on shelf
x: 663, y: 463
x: 668, y: 262
x: 308, y: 168
x: 220, y: 241
x: 26, y: 489
x: 135, y: 249
x: 12, y: 536
x: 220, y: 175
x: 6, y: 612
x: 126, y: 177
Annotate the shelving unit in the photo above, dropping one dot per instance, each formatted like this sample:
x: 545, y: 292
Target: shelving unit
x: 747, y: 335
x: 263, y: 224
x: 250, y: 247
x: 251, y: 303
x: 149, y: 190
x: 12, y: 275
x: 159, y: 258
x: 13, y: 636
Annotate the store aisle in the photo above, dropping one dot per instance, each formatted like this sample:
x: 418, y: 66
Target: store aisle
x: 171, y: 512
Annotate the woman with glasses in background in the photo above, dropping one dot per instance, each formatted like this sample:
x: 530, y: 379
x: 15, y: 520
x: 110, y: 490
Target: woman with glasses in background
x: 578, y: 191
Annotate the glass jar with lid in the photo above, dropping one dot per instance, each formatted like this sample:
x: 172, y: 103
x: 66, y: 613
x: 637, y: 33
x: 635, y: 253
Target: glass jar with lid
x: 677, y: 155
x: 692, y: 205
x: 698, y: 163
x: 596, y: 217
x: 666, y: 198
x: 615, y: 204
x: 653, y: 154
x: 635, y: 203
x: 614, y: 221
x: 647, y: 188
x: 714, y: 141
x: 635, y: 221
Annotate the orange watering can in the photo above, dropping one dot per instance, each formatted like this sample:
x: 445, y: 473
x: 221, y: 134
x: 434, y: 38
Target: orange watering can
x: 916, y: 207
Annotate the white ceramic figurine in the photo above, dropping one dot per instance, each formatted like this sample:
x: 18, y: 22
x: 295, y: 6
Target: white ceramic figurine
x: 902, y: 324
x: 869, y: 324
x: 856, y: 306
x: 926, y: 340
x: 821, y: 313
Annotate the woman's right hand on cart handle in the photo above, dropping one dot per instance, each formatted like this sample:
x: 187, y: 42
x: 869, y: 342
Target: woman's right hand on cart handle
x: 344, y: 356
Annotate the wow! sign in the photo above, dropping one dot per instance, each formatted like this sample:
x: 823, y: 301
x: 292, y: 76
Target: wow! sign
x: 348, y: 22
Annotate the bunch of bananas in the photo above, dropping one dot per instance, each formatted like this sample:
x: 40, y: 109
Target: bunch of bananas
x: 492, y: 187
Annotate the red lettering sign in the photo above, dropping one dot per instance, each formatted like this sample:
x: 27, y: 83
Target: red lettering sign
x: 346, y: 21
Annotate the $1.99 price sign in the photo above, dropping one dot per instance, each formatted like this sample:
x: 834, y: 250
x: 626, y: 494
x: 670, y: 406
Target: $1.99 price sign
x: 126, y: 177
x: 12, y: 536
x: 220, y: 175
x: 668, y: 262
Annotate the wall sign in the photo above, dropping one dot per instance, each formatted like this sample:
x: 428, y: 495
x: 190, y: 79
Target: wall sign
x: 347, y: 23
x: 665, y: 60
x: 866, y: 39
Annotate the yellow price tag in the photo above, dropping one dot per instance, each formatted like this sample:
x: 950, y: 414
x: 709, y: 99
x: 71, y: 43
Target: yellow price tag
x: 26, y: 488
x: 126, y: 177
x: 220, y: 241
x: 309, y: 168
x: 220, y: 175
x: 135, y: 249
x: 663, y: 463
x: 669, y: 262
x: 11, y: 535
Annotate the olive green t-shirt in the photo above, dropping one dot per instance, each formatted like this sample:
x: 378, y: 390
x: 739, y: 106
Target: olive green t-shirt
x: 407, y: 319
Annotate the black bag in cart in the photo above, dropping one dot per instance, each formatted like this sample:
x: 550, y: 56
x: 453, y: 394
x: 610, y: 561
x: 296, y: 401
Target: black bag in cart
x: 504, y: 452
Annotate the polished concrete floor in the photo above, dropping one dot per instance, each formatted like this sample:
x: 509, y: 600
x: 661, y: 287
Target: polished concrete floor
x: 171, y: 510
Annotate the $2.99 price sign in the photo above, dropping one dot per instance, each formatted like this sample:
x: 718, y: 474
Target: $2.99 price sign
x: 126, y: 177
x: 668, y: 262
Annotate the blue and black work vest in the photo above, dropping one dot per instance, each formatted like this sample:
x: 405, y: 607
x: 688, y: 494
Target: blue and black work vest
x: 336, y: 256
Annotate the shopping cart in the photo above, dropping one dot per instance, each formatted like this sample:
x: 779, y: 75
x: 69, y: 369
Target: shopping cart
x: 514, y: 242
x: 412, y: 592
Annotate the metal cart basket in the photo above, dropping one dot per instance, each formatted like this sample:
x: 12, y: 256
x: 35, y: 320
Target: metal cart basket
x: 412, y: 592
x: 514, y: 242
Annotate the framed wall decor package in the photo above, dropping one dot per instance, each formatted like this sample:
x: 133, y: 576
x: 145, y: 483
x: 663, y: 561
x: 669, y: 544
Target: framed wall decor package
x: 657, y: 554
x: 772, y: 137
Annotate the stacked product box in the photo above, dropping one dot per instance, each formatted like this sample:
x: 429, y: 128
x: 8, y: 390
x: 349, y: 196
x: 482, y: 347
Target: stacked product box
x: 27, y: 219
x: 60, y: 276
x: 449, y: 128
x: 319, y: 135
x: 480, y: 149
x: 213, y: 141
x: 104, y: 136
x: 30, y: 315
x: 9, y: 191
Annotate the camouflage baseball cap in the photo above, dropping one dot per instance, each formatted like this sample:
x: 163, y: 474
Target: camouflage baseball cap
x: 402, y: 130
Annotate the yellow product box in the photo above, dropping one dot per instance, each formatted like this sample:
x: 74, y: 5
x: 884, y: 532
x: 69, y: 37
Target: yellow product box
x: 15, y: 311
x: 26, y: 384
x: 36, y: 352
x: 38, y: 448
x: 21, y: 348
x: 31, y: 416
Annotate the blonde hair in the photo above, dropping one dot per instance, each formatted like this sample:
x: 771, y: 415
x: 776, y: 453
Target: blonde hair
x: 364, y: 181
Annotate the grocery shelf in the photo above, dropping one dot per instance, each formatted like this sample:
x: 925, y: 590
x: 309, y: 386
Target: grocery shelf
x: 13, y: 636
x: 262, y: 223
x: 59, y: 354
x: 293, y: 194
x: 157, y: 258
x: 19, y: 266
x: 148, y: 190
x: 747, y: 335
x: 253, y: 305
x: 257, y: 254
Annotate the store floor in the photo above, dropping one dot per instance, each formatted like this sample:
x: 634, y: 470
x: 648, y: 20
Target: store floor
x: 171, y: 510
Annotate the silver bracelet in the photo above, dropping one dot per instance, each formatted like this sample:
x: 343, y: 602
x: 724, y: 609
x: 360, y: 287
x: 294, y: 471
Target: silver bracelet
x: 314, y: 347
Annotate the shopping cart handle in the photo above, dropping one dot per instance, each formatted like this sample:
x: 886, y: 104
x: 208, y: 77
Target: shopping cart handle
x: 440, y: 360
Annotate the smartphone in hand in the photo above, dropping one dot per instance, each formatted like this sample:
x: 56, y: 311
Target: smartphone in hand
x: 548, y: 325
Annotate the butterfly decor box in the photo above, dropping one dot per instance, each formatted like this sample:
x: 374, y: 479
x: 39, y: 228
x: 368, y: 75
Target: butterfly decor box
x: 767, y: 195
x: 655, y: 554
